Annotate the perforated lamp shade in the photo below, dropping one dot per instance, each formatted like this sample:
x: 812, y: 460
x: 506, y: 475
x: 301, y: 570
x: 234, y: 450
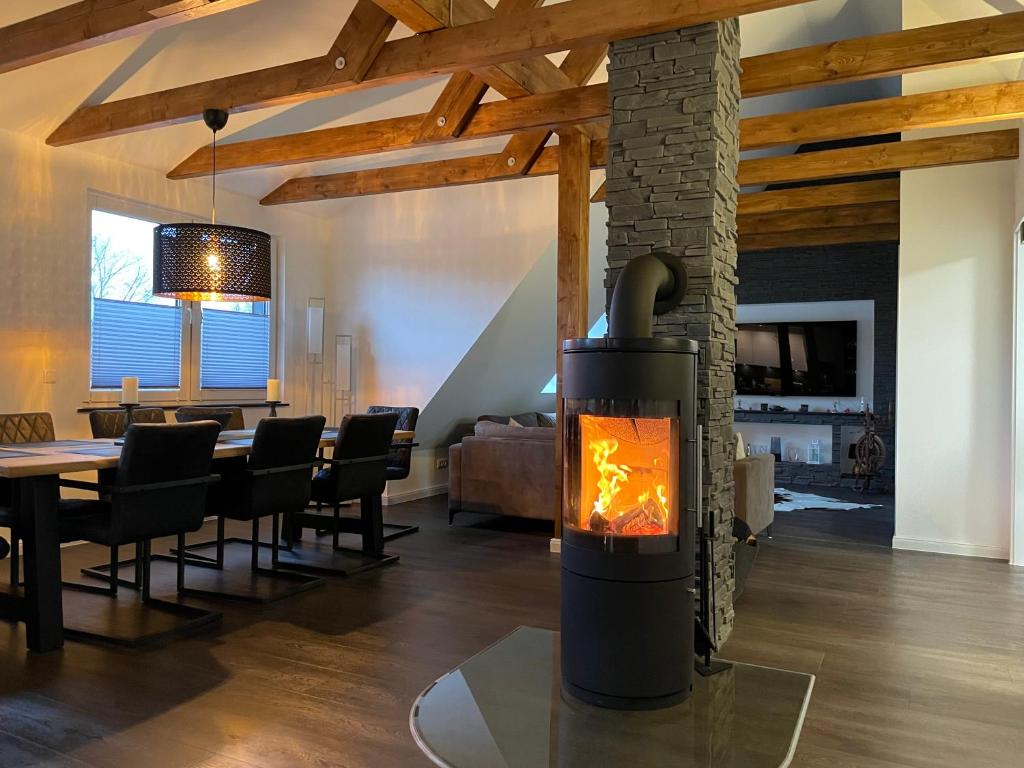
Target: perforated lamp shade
x: 211, y: 262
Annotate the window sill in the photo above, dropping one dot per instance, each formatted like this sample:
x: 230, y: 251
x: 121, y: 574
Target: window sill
x: 89, y: 408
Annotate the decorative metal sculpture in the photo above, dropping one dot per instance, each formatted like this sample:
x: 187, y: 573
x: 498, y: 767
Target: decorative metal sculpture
x: 869, y: 452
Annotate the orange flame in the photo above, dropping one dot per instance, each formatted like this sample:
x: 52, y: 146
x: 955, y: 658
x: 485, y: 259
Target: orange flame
x: 613, y: 478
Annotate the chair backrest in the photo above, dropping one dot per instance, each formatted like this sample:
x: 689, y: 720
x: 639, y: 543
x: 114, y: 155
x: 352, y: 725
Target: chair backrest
x: 228, y: 416
x: 112, y: 422
x: 26, y: 428
x: 281, y: 443
x: 165, y: 454
x: 22, y: 428
x: 399, y: 457
x: 363, y: 439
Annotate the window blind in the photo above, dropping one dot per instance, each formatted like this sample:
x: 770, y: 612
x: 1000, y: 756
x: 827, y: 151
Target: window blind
x: 235, y: 350
x: 134, y: 339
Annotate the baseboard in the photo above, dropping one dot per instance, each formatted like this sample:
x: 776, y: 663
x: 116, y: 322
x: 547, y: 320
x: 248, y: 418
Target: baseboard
x: 556, y: 546
x: 414, y: 495
x: 951, y: 548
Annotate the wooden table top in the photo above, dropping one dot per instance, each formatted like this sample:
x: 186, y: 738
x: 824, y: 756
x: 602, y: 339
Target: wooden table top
x: 65, y: 456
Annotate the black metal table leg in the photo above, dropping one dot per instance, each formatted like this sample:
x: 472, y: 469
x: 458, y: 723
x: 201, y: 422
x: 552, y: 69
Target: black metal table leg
x: 43, y: 609
x: 372, y: 513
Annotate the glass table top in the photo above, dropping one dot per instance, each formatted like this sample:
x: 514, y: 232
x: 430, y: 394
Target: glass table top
x: 504, y: 708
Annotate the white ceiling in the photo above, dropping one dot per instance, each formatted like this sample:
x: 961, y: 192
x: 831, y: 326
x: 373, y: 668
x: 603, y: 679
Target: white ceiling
x: 36, y: 99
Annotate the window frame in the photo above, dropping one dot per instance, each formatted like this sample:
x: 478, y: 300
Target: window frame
x: 189, y: 390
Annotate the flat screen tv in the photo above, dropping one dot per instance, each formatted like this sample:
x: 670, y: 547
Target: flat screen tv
x: 812, y: 359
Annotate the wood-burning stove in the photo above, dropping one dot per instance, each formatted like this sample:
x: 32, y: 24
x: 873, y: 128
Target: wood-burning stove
x: 630, y: 496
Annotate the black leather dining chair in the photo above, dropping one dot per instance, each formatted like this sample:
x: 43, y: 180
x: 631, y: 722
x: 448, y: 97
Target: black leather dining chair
x: 19, y: 429
x: 400, y: 454
x: 112, y: 422
x: 275, y: 481
x: 399, y: 460
x: 357, y: 470
x: 159, y: 489
x: 228, y: 416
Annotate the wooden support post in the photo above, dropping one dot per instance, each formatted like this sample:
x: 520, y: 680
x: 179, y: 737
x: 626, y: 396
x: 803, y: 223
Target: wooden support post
x: 573, y: 268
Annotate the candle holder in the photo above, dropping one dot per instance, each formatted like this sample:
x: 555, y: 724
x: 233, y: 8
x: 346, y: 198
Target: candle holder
x: 273, y: 407
x: 128, y: 408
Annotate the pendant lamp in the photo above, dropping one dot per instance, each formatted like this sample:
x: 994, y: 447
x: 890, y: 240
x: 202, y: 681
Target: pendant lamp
x: 211, y: 262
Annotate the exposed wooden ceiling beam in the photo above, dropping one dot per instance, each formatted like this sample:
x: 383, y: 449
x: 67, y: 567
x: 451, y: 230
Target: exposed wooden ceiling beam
x: 892, y: 53
x: 419, y: 15
x: 881, y: 158
x: 88, y: 24
x: 511, y: 80
x: 884, y: 233
x: 523, y: 150
x: 494, y: 41
x: 822, y: 218
x: 819, y: 196
x: 359, y: 42
x: 453, y: 108
x: 429, y: 175
x: 546, y: 111
x: 962, y: 106
x: 462, y: 93
x: 834, y: 163
x: 805, y: 198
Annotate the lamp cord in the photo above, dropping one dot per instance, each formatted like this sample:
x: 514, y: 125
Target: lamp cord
x: 214, y: 216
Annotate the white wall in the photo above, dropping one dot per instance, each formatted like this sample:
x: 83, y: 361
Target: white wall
x: 954, y: 391
x: 954, y: 354
x: 449, y: 294
x: 45, y: 263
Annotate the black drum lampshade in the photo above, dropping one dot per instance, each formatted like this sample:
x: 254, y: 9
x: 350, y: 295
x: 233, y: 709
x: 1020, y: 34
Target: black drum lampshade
x: 211, y: 262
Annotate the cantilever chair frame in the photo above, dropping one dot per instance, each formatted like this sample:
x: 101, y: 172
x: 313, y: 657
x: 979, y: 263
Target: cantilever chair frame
x: 194, y: 618
x: 302, y: 582
x: 369, y: 525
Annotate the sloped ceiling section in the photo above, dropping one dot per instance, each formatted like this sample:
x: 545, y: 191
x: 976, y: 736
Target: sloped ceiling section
x: 270, y: 32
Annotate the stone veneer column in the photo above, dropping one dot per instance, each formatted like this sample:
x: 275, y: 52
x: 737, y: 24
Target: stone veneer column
x: 673, y: 157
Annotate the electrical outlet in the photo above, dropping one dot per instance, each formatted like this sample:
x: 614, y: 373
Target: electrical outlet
x: 49, y: 377
x: 441, y: 464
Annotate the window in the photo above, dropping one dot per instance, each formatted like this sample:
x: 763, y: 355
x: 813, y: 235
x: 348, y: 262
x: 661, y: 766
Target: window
x: 179, y: 350
x: 235, y: 345
x: 134, y: 333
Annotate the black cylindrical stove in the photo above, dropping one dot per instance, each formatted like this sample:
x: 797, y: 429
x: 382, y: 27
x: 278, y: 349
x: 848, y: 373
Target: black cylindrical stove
x: 629, y: 498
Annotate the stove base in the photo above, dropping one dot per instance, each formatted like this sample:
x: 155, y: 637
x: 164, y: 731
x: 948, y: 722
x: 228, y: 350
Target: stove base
x: 628, y: 644
x: 618, y: 702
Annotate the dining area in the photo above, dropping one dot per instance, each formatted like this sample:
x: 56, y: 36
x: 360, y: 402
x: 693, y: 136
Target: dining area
x: 290, y: 502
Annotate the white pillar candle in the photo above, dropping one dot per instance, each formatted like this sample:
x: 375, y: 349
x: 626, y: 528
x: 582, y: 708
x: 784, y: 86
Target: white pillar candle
x: 130, y: 390
x: 273, y: 390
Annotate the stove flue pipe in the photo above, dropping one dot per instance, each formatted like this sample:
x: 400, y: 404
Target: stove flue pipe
x: 652, y: 284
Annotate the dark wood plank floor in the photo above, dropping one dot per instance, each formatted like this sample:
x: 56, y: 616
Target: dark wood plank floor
x: 872, y: 527
x: 918, y: 659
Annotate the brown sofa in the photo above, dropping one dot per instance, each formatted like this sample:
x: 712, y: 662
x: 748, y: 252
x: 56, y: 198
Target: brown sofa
x: 503, y: 470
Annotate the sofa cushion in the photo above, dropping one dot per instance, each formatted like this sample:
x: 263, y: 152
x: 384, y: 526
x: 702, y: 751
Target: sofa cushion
x: 528, y: 419
x: 493, y: 419
x: 490, y: 429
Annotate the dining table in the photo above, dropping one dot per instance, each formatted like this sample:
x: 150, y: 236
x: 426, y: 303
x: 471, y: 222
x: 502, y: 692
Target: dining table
x: 35, y: 469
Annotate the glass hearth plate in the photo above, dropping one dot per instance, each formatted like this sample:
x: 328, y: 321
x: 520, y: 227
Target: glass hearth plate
x: 504, y: 708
